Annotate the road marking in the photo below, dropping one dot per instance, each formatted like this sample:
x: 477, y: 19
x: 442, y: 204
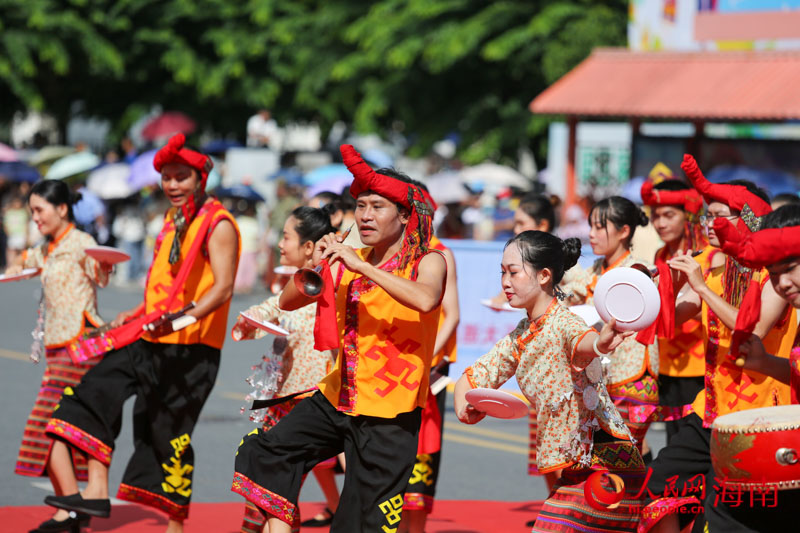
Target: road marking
x: 480, y: 443
x: 458, y: 426
x: 238, y: 396
x: 11, y: 354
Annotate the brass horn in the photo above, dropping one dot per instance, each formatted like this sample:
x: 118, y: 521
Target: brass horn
x: 309, y: 281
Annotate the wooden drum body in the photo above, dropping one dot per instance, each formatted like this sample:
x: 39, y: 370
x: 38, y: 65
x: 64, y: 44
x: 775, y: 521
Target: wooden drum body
x: 758, y: 448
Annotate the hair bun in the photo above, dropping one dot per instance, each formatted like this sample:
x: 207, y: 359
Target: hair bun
x: 555, y: 200
x: 75, y: 197
x: 572, y: 252
x: 643, y: 218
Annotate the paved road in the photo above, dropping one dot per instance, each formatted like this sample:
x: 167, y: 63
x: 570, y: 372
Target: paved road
x: 483, y: 462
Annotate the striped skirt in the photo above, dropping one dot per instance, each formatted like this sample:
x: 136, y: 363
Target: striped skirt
x: 568, y: 509
x: 59, y: 374
x: 641, y: 392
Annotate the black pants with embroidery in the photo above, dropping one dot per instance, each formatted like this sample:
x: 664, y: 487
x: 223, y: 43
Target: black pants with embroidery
x: 171, y: 383
x: 379, y: 454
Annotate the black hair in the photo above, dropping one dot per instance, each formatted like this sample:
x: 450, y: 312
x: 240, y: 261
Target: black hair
x: 313, y: 223
x: 621, y: 212
x: 541, y: 250
x: 783, y: 217
x: 57, y: 193
x: 539, y: 207
x: 329, y: 197
x: 786, y: 198
x: 671, y: 185
x: 751, y: 187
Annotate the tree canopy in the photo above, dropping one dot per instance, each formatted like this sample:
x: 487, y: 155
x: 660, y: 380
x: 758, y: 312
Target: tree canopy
x: 427, y: 68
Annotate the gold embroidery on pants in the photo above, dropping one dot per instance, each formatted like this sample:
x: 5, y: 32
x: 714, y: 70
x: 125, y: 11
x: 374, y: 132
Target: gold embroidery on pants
x: 392, y: 508
x: 174, y: 481
x: 422, y: 470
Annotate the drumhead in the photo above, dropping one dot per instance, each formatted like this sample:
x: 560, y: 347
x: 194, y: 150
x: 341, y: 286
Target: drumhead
x: 762, y: 419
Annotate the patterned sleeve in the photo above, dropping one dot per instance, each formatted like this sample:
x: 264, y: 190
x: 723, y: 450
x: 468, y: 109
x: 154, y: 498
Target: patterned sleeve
x: 575, y: 285
x: 32, y: 257
x: 266, y: 311
x: 91, y: 266
x: 574, y: 329
x: 499, y: 365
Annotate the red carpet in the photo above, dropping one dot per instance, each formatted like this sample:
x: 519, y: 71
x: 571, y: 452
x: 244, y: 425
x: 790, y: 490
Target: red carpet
x: 454, y: 516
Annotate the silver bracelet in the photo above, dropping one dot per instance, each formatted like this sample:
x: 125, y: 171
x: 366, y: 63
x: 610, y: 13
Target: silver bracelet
x: 594, y: 346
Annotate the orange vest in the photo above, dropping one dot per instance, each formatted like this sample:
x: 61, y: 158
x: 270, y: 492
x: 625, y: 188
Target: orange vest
x: 734, y: 389
x: 450, y: 348
x: 385, y: 350
x: 684, y: 354
x: 209, y: 330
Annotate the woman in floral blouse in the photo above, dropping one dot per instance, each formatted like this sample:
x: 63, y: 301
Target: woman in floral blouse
x: 68, y: 308
x: 555, y: 358
x: 632, y: 369
x: 302, y: 366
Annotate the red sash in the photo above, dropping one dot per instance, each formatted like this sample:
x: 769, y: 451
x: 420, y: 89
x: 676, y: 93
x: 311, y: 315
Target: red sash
x: 88, y: 345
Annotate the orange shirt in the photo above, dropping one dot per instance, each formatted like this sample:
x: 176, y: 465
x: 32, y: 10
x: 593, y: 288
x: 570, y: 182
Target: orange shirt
x: 209, y: 330
x: 684, y: 354
x: 385, y: 351
x: 450, y: 348
x: 734, y: 389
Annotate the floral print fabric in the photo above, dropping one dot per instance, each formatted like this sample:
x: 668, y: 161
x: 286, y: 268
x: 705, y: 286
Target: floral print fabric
x: 69, y: 281
x: 303, y: 366
x: 631, y: 359
x: 569, y: 395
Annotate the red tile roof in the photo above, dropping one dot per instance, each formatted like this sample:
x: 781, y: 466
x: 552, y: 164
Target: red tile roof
x: 730, y: 86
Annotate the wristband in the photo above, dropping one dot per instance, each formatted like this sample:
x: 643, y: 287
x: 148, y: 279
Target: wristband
x: 594, y: 346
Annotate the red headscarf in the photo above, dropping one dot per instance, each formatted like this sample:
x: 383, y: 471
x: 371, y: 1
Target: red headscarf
x: 174, y: 152
x: 692, y: 203
x: 415, y: 241
x: 751, y: 207
x: 419, y: 228
x: 760, y: 249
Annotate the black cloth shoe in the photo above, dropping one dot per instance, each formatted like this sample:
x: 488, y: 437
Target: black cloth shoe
x: 317, y: 522
x: 72, y: 524
x: 75, y: 502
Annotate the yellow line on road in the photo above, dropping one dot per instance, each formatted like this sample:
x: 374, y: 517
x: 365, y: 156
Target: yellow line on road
x: 238, y: 396
x: 454, y: 437
x: 11, y: 354
x: 458, y: 426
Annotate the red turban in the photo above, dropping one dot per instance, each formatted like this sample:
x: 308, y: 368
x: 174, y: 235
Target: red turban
x: 690, y: 201
x: 737, y: 197
x: 415, y: 242
x: 410, y: 196
x: 174, y: 152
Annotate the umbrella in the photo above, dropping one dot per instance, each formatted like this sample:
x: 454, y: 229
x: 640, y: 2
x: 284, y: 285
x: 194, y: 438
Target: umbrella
x: 219, y: 146
x: 88, y: 208
x: 72, y: 164
x: 17, y: 171
x: 326, y: 172
x: 447, y: 188
x: 7, y: 154
x: 48, y: 154
x: 333, y: 184
x: 239, y: 190
x: 167, y: 124
x: 110, y: 181
x: 773, y: 181
x: 495, y: 176
x: 142, y: 171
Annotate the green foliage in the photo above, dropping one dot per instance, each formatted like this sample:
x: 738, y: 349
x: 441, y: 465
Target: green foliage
x: 431, y: 67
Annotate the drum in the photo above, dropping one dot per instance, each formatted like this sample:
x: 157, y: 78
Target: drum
x: 758, y: 448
